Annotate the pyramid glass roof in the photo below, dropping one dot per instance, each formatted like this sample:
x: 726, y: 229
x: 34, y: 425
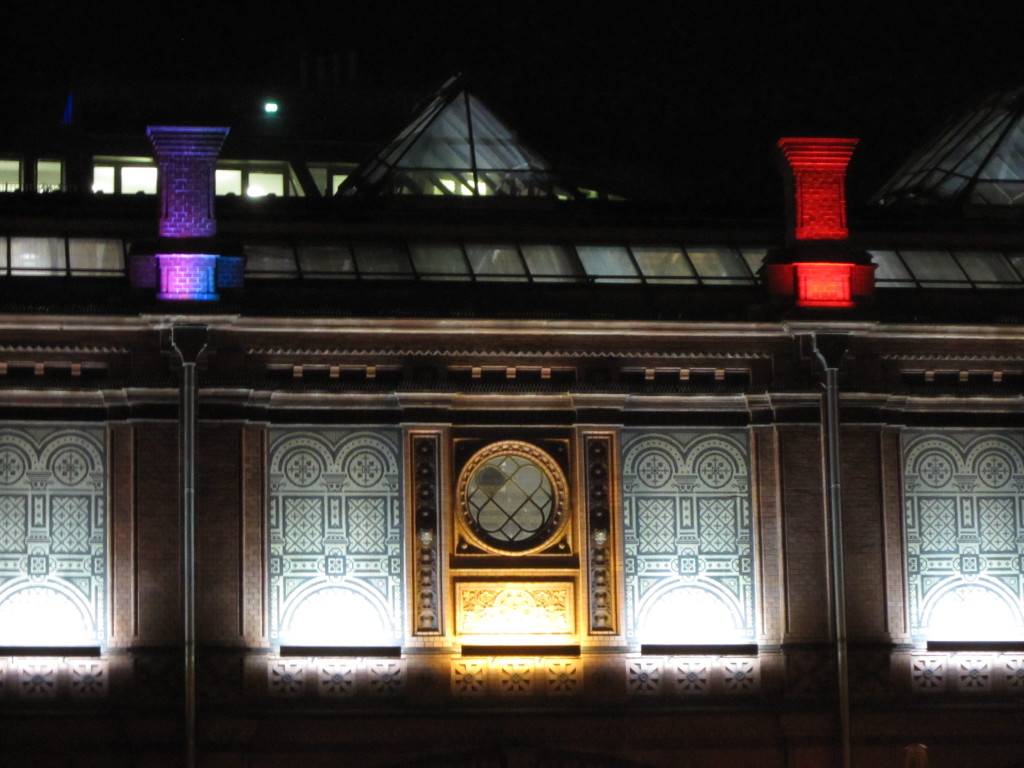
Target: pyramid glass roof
x: 455, y: 146
x: 976, y: 160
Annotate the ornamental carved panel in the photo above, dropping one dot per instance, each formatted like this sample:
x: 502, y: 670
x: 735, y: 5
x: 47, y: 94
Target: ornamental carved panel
x: 336, y: 537
x: 515, y: 609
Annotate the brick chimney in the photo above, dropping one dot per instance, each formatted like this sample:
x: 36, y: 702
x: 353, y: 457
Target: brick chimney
x: 818, y: 268
x: 186, y: 158
x: 187, y: 262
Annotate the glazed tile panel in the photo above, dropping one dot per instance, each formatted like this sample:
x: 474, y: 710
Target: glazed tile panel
x: 688, y: 536
x: 965, y: 533
x: 336, y: 537
x: 53, y: 535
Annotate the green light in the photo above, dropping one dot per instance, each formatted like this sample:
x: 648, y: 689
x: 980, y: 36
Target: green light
x: 270, y: 107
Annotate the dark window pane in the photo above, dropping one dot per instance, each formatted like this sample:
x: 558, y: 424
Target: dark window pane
x: 987, y: 267
x: 96, y: 257
x: 388, y: 261
x: 326, y: 261
x: 270, y: 261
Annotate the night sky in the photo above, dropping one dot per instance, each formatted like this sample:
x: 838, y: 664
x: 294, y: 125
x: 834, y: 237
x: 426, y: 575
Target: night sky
x: 695, y: 90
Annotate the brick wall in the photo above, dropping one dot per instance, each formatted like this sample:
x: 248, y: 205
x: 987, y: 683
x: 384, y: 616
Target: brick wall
x: 157, y: 598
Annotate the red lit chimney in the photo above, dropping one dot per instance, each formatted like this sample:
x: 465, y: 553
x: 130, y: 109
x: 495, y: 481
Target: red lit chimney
x: 817, y: 267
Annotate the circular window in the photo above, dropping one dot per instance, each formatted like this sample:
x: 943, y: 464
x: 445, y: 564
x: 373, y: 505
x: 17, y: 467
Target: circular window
x: 512, y: 496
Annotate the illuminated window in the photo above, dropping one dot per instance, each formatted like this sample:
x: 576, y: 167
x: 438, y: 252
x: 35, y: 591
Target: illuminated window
x: 138, y: 179
x: 513, y: 497
x: 124, y: 176
x: 10, y: 175
x: 329, y: 177
x: 261, y: 184
x: 53, y: 556
x: 228, y: 182
x: 965, y: 535
x: 49, y: 175
x: 336, y: 537
x: 103, y: 179
x: 689, y: 538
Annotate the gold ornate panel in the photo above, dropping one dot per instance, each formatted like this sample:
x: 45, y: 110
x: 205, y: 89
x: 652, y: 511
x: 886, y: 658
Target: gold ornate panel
x: 515, y: 611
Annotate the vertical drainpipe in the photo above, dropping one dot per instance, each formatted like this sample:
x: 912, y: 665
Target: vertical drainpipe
x: 189, y: 341
x: 830, y: 348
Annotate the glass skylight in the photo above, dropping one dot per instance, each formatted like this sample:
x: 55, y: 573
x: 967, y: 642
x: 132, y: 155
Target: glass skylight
x: 455, y: 147
x: 947, y: 269
x: 976, y: 160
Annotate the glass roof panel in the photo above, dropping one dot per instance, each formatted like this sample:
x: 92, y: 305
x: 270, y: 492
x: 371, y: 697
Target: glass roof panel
x: 754, y: 258
x: 975, y: 160
x: 445, y: 143
x: 268, y: 260
x: 664, y: 263
x: 456, y: 146
x: 550, y: 263
x: 990, y: 266
x: 495, y: 262
x: 326, y: 261
x: 608, y: 263
x: 720, y: 265
x: 891, y: 270
x: 935, y: 268
x: 383, y: 261
x: 1016, y: 261
x: 439, y: 261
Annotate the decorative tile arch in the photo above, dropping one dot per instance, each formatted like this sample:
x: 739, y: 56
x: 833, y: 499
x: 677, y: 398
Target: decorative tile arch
x: 53, y: 535
x: 336, y: 537
x: 688, y: 536
x: 965, y: 533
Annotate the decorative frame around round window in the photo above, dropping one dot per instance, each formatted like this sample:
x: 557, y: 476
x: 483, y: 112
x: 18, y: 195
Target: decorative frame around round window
x: 513, y: 498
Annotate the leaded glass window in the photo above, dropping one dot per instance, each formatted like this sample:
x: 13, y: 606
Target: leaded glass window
x: 688, y: 536
x: 336, y: 537
x: 513, y: 497
x: 965, y: 534
x: 53, y: 536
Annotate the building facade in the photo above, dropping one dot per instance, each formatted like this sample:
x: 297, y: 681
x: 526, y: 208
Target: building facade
x: 458, y: 462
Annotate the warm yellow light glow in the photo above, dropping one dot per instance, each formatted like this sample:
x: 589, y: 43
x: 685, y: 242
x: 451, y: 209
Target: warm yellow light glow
x: 510, y: 611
